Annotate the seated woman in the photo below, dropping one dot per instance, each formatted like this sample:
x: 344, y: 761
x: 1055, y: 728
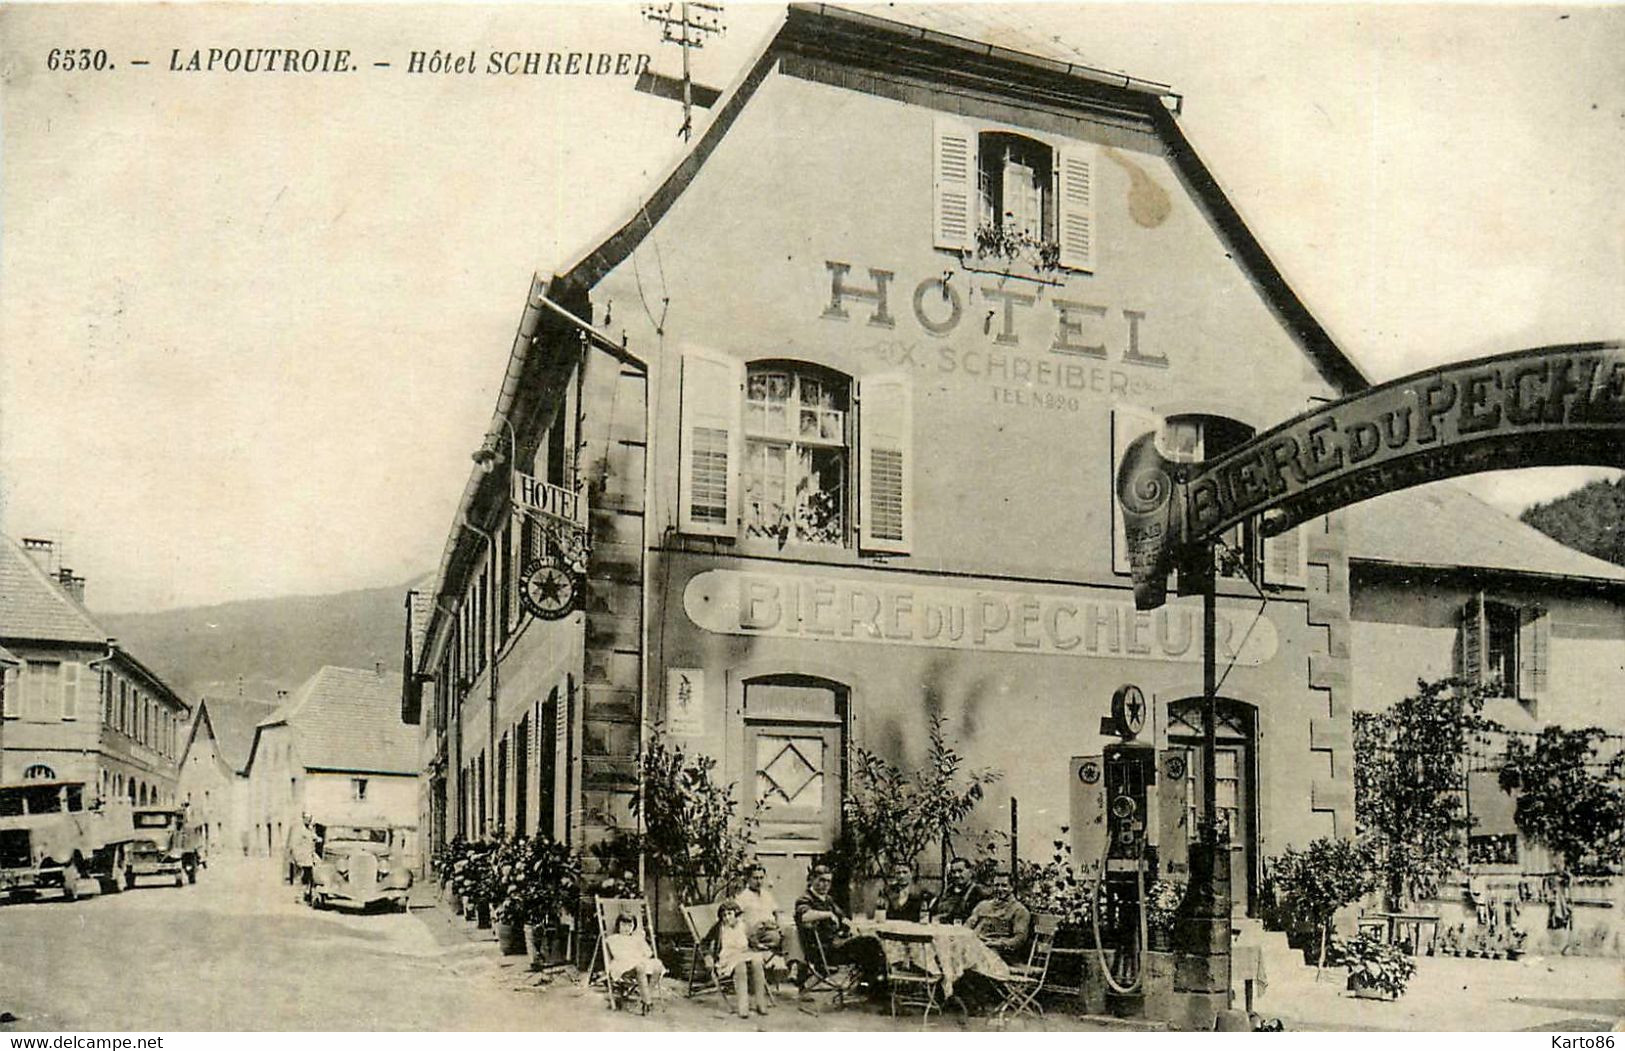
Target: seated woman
x: 627, y: 952
x: 823, y: 922
x: 736, y: 957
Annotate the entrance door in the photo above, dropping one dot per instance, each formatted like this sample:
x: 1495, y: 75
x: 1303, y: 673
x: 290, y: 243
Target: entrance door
x: 1234, y: 786
x: 795, y: 748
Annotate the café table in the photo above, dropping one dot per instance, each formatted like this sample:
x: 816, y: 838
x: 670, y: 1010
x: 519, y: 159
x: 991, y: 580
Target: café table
x: 935, y: 948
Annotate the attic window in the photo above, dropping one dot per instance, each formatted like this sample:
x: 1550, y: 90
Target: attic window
x: 1004, y: 195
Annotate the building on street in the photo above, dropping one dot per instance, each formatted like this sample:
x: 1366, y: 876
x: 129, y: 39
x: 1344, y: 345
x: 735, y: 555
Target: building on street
x: 213, y: 781
x: 338, y: 750
x: 78, y: 706
x: 843, y: 456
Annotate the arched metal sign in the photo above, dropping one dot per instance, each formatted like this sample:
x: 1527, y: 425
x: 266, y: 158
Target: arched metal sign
x: 1531, y: 408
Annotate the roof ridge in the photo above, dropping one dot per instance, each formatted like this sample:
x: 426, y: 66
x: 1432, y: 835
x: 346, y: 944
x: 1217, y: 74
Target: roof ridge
x: 53, y: 587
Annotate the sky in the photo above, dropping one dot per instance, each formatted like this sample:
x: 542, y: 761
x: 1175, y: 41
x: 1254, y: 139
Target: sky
x: 253, y: 326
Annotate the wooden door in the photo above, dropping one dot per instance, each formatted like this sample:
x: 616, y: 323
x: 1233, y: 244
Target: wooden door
x: 796, y: 774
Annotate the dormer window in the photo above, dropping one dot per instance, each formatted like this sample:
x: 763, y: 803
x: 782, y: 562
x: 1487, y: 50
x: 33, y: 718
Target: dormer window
x: 1004, y: 194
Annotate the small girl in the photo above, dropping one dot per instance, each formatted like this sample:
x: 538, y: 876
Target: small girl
x: 629, y: 953
x: 734, y: 953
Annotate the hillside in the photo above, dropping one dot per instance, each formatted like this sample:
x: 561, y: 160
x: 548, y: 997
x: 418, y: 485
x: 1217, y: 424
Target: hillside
x: 1590, y: 519
x: 258, y: 647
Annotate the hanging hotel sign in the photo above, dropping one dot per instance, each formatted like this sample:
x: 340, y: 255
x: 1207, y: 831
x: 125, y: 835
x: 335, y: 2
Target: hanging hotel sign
x: 840, y: 609
x: 546, y: 499
x: 549, y: 588
x: 1532, y: 408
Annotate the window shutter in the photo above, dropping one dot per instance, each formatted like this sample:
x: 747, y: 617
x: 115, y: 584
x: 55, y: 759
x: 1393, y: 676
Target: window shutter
x: 1471, y: 666
x: 1077, y: 208
x: 885, y: 464
x: 953, y: 186
x: 1285, y: 558
x: 713, y: 407
x: 1128, y: 423
x: 70, y: 690
x: 1534, y: 652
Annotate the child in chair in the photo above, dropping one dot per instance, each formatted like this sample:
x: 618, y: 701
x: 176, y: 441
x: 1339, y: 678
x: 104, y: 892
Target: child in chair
x: 629, y: 953
x: 736, y: 957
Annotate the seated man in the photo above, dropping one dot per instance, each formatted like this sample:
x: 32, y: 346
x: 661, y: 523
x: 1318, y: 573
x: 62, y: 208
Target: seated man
x: 903, y: 900
x: 823, y: 922
x: 960, y: 894
x: 1002, y: 922
x: 760, y: 911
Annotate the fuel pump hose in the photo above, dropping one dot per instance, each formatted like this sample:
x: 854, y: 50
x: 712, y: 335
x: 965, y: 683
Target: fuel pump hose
x: 1100, y: 950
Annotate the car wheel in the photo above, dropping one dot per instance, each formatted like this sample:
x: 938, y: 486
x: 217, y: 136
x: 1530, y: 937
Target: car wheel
x: 180, y: 879
x: 129, y: 879
x: 191, y: 874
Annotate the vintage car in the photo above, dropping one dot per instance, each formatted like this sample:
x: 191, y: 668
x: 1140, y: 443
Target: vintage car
x: 163, y: 846
x: 358, y: 865
x: 53, y: 837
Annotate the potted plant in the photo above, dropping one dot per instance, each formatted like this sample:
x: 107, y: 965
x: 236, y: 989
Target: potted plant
x: 1310, y: 885
x: 1162, y: 901
x: 552, y: 887
x: 510, y: 863
x: 1377, y: 970
x: 476, y: 881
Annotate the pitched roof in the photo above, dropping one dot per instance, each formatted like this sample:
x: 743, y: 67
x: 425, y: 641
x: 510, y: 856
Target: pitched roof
x: 349, y: 719
x: 33, y: 606
x: 231, y: 723
x: 1442, y: 526
x: 7, y: 657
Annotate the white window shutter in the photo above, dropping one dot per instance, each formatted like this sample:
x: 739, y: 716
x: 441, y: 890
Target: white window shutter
x: 1128, y: 423
x: 885, y: 463
x: 70, y: 690
x: 953, y: 186
x: 1286, y: 558
x: 1534, y: 652
x: 1471, y: 665
x: 1076, y: 197
x: 708, y: 475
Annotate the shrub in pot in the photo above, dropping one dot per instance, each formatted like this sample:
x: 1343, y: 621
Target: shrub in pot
x: 1377, y: 970
x: 1309, y: 886
x: 1162, y: 900
x: 539, y: 881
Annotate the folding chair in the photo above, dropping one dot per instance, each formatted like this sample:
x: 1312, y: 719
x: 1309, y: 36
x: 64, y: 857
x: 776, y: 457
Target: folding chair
x: 818, y: 975
x: 702, y: 961
x: 609, y: 911
x: 908, y: 984
x: 1027, y: 980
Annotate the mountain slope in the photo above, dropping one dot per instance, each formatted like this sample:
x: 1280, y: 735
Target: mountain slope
x: 258, y: 647
x: 1590, y: 519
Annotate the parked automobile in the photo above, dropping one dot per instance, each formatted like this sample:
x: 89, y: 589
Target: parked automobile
x: 358, y: 865
x: 163, y: 846
x: 53, y: 837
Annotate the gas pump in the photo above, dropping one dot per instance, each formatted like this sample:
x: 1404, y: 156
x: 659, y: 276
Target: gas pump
x: 1121, y: 823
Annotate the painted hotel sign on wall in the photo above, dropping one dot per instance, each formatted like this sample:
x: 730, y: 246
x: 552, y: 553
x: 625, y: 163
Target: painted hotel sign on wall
x: 793, y: 605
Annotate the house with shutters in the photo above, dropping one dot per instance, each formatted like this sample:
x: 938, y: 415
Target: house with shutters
x: 336, y: 749
x: 1480, y: 595
x: 820, y: 445
x: 76, y: 705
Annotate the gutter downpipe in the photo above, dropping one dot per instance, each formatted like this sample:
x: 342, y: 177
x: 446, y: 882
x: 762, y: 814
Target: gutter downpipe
x: 491, y: 702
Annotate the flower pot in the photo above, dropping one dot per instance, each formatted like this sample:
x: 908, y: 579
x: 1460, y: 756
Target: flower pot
x: 510, y: 938
x: 482, y: 916
x: 1359, y: 987
x: 548, y: 946
x: 456, y: 901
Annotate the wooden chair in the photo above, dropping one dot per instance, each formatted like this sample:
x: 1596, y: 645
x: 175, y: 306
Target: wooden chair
x: 908, y: 985
x: 702, y: 959
x: 609, y: 912
x: 1026, y: 982
x: 818, y: 975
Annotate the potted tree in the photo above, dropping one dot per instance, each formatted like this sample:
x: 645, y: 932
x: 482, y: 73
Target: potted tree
x: 1309, y: 886
x: 1377, y: 970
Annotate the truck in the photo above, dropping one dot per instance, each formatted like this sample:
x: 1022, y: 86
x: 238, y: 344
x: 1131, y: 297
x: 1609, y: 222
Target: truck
x: 55, y: 835
x: 163, y: 846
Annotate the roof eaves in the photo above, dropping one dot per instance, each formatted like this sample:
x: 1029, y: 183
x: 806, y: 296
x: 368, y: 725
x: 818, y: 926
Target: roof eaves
x: 1604, y: 583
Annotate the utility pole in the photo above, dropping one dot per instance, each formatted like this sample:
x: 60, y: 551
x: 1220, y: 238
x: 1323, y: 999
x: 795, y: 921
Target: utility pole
x: 688, y: 25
